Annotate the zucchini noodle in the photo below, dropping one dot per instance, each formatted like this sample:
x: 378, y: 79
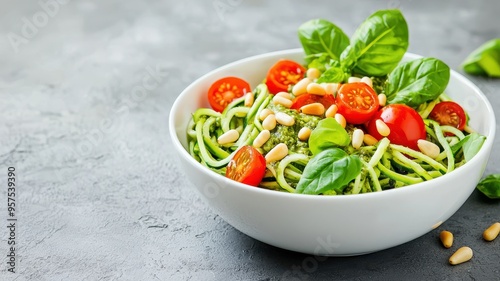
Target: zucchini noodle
x: 453, y: 130
x: 358, y: 183
x: 280, y: 171
x: 262, y: 94
x: 444, y: 144
x: 373, y: 176
x: 236, y: 111
x: 420, y: 156
x: 256, y: 121
x: 381, y: 148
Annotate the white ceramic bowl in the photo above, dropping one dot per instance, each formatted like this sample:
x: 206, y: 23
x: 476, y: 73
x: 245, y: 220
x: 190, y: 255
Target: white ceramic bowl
x: 331, y: 225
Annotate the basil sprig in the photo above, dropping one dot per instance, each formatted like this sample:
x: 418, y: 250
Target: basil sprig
x: 378, y: 44
x: 375, y: 49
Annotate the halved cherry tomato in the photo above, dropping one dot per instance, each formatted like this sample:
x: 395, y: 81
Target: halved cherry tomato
x: 283, y: 74
x: 225, y: 90
x: 406, y: 125
x: 247, y: 166
x: 305, y: 99
x: 357, y: 102
x: 449, y: 113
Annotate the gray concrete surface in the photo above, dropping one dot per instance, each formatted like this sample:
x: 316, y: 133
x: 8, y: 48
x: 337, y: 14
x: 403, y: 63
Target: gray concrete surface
x: 85, y: 92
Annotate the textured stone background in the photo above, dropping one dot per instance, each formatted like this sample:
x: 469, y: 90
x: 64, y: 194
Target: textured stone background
x: 85, y: 92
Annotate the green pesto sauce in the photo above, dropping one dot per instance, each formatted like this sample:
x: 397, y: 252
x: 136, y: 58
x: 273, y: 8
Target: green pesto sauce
x: 289, y: 135
x: 379, y: 84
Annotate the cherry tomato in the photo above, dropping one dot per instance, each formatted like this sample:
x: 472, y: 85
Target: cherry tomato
x: 304, y: 99
x: 406, y: 125
x: 449, y: 113
x: 283, y: 74
x: 357, y: 102
x: 247, y: 166
x: 225, y: 90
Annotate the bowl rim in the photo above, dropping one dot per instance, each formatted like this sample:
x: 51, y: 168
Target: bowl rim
x: 182, y: 152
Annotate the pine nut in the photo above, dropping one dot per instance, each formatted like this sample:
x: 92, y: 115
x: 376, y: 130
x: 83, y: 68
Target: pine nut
x: 446, y: 238
x: 284, y: 119
x: 264, y: 113
x: 261, y: 138
x: 315, y: 89
x: 340, y: 119
x: 382, y: 128
x: 353, y: 79
x: 270, y: 122
x: 315, y: 108
x: 382, y: 99
x: 428, y: 148
x: 304, y: 134
x: 331, y: 111
x: 367, y: 80
x: 249, y: 99
x: 330, y: 88
x: 284, y: 94
x: 277, y: 153
x: 357, y: 138
x: 492, y: 232
x: 228, y: 137
x: 369, y: 139
x: 283, y: 101
x: 461, y: 255
x: 313, y: 73
x: 301, y: 87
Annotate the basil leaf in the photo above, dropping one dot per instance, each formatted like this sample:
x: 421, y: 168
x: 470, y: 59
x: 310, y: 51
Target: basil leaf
x: 485, y: 60
x: 417, y: 81
x: 323, y: 63
x: 327, y: 134
x: 333, y: 75
x: 473, y: 145
x: 378, y: 44
x: 331, y: 169
x: 320, y: 36
x: 490, y: 186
